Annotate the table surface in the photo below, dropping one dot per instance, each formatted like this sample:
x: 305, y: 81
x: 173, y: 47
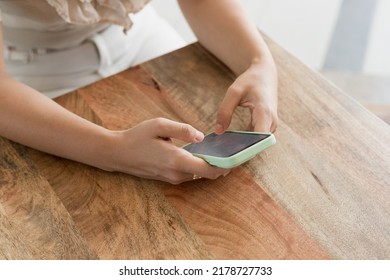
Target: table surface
x: 322, y: 192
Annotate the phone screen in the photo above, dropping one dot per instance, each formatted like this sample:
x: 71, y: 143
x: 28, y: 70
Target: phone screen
x: 225, y: 145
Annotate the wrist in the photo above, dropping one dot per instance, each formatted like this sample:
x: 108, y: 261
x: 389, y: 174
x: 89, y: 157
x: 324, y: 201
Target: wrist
x: 107, y: 150
x: 264, y: 61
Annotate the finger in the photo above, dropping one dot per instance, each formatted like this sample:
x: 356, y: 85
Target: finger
x: 261, y: 119
x: 262, y: 127
x: 165, y: 128
x: 274, y: 126
x: 262, y: 124
x: 176, y: 177
x: 194, y: 165
x: 229, y: 103
x: 183, y: 166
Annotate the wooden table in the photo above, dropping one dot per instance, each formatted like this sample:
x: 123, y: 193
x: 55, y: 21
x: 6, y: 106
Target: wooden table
x: 323, y: 191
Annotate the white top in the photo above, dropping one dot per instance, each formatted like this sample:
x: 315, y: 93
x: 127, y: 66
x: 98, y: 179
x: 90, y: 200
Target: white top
x: 56, y: 23
x: 56, y: 46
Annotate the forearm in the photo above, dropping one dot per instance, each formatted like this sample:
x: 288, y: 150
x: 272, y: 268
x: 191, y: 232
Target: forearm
x: 225, y: 29
x: 29, y: 118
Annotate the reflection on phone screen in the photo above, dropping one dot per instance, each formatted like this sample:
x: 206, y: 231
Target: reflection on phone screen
x: 225, y: 145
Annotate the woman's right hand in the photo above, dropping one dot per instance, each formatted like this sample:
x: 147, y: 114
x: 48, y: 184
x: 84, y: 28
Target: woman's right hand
x: 147, y: 151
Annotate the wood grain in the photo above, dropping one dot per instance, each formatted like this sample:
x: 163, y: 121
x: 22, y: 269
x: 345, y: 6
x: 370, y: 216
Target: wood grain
x: 260, y: 230
x: 261, y: 239
x: 33, y: 222
x: 121, y: 216
x: 326, y: 142
x: 338, y: 164
x: 321, y: 192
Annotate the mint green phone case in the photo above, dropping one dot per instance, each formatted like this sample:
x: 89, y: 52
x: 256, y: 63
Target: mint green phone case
x: 242, y: 156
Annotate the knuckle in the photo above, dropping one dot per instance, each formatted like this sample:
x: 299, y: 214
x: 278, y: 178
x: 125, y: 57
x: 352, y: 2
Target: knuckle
x: 175, y: 161
x: 159, y: 122
x: 187, y: 131
x: 174, y: 179
x: 175, y: 183
x: 235, y: 88
x: 176, y: 176
x: 223, y: 113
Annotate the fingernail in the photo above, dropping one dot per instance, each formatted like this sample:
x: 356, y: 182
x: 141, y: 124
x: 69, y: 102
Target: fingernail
x: 199, y: 136
x: 218, y: 128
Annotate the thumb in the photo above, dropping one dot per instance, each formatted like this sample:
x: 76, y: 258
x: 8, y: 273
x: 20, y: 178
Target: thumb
x: 170, y: 129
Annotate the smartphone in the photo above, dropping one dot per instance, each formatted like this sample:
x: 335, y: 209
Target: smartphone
x: 231, y: 148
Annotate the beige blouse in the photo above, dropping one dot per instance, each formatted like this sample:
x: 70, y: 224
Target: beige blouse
x: 82, y: 12
x: 39, y: 23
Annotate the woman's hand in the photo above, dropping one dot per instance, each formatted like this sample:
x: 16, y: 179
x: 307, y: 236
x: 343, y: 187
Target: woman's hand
x: 256, y: 89
x: 147, y: 151
x: 227, y: 31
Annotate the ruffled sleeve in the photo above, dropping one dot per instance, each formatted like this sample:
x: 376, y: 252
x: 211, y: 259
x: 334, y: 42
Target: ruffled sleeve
x: 85, y: 12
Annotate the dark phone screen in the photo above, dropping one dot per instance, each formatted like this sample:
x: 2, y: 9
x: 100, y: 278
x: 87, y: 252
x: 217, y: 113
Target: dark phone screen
x: 225, y: 145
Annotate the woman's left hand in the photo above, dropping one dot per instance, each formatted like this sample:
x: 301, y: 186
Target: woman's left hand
x: 256, y: 89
